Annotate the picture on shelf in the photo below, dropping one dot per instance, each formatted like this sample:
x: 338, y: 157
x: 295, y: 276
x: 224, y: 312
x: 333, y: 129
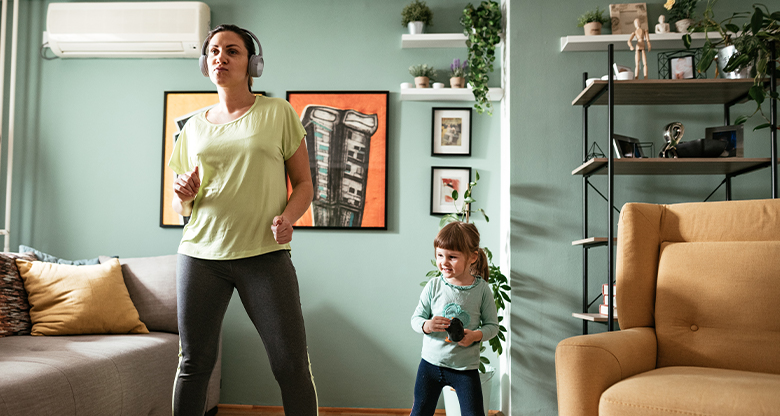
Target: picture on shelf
x: 623, y: 16
x: 732, y: 135
x: 445, y: 180
x: 626, y: 147
x: 682, y: 67
x: 451, y: 134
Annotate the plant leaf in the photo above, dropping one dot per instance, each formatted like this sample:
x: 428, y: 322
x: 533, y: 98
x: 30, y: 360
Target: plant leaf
x: 757, y: 20
x: 757, y: 92
x: 686, y: 41
x: 477, y: 175
x: 455, y: 194
x: 484, y: 360
x: 731, y: 27
x: 761, y: 126
x: 481, y: 368
x: 741, y: 120
x: 423, y: 283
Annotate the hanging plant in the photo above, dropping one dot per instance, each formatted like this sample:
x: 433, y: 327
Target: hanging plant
x: 481, y: 26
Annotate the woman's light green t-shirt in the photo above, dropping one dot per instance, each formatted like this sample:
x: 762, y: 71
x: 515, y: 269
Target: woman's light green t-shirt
x: 243, y: 182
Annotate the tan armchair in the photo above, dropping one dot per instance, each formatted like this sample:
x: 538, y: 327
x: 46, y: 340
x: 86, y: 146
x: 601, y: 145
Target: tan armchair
x: 698, y: 298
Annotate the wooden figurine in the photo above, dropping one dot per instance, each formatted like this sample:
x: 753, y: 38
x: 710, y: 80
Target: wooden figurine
x: 641, y: 37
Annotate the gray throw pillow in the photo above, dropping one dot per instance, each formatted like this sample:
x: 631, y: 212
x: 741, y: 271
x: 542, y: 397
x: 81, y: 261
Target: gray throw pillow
x: 48, y: 258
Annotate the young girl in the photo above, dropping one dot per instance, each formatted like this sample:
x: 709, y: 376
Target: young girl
x: 461, y: 293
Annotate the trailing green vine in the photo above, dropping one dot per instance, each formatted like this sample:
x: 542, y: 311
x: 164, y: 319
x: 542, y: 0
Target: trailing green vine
x: 482, y: 26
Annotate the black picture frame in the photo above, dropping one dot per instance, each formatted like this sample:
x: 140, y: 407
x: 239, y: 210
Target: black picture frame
x: 451, y: 131
x: 443, y: 180
x: 732, y: 135
x: 666, y: 70
x: 347, y: 118
x: 178, y: 107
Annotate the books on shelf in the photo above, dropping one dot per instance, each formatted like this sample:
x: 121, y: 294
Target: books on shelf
x: 604, y: 306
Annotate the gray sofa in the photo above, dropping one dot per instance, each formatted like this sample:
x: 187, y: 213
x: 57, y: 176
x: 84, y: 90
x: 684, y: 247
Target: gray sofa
x: 103, y: 375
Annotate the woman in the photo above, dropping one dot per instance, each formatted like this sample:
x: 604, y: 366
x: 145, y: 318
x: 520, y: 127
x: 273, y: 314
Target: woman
x: 231, y: 162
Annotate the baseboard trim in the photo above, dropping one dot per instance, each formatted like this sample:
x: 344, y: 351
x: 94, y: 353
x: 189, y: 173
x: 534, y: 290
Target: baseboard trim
x: 245, y: 409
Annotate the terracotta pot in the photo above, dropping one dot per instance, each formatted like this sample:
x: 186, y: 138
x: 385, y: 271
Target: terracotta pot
x: 457, y: 82
x: 421, y: 82
x: 682, y: 25
x: 592, y: 28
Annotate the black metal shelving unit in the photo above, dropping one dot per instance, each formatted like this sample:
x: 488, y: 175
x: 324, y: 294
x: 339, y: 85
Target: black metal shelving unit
x: 649, y: 92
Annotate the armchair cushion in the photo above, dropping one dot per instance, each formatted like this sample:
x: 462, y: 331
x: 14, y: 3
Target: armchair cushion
x: 708, y: 299
x: 693, y: 391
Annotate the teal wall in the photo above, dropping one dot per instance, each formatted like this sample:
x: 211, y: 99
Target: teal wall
x: 546, y: 200
x: 88, y: 165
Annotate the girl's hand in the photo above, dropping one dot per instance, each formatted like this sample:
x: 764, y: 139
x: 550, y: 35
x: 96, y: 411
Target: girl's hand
x: 436, y: 324
x: 282, y: 229
x: 470, y: 338
x: 186, y: 186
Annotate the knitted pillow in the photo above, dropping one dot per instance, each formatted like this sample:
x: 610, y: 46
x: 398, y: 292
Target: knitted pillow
x: 14, y: 308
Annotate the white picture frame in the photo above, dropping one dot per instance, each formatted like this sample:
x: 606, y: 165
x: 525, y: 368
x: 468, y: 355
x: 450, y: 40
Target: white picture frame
x: 451, y: 132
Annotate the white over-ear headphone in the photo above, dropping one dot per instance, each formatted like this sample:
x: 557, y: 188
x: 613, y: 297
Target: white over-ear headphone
x: 256, y: 63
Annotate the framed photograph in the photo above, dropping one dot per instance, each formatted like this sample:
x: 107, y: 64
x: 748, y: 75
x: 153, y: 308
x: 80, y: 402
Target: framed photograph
x: 444, y: 180
x: 680, y: 64
x: 346, y: 137
x: 732, y: 135
x: 683, y: 67
x: 451, y: 135
x: 626, y: 147
x: 178, y: 107
x: 623, y: 15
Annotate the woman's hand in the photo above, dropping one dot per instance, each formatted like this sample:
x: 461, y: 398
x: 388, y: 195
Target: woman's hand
x: 282, y: 229
x: 186, y: 186
x: 470, y: 338
x: 436, y: 324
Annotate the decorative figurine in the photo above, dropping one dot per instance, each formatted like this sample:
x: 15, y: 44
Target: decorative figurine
x: 673, y: 133
x: 641, y: 37
x: 662, y: 27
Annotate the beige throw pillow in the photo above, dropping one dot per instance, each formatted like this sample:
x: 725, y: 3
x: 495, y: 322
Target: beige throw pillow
x: 71, y: 300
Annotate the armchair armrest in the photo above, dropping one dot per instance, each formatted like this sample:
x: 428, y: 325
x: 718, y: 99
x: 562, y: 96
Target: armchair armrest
x: 587, y: 365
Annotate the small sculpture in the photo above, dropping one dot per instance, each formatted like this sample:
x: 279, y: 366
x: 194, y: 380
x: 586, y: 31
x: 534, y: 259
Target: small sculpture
x: 455, y: 331
x: 662, y: 27
x: 641, y: 37
x: 673, y: 133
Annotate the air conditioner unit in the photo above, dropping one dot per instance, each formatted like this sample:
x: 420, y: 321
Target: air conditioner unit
x: 127, y: 30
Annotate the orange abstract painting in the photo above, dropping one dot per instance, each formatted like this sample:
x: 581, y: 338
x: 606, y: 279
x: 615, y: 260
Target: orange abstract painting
x: 346, y: 138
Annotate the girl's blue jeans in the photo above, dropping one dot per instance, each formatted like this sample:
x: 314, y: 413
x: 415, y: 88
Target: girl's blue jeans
x: 431, y: 379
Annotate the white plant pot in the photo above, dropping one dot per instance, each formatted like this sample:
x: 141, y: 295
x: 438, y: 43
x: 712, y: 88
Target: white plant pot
x: 682, y: 25
x: 451, y: 404
x: 416, y: 28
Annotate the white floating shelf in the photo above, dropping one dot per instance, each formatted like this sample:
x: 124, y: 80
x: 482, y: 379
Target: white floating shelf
x: 434, y: 40
x: 446, y: 94
x: 664, y: 41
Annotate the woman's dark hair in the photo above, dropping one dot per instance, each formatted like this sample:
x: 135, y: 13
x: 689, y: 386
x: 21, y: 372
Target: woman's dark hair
x: 248, y: 43
x: 464, y: 237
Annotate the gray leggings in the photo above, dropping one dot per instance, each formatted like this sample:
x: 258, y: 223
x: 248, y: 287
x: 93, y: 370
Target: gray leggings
x: 268, y: 288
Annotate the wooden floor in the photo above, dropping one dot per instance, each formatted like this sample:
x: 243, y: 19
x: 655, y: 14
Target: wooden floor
x: 246, y: 410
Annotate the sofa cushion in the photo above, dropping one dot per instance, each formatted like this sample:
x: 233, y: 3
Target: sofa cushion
x: 693, y: 391
x: 717, y: 305
x: 79, y: 299
x: 151, y: 282
x: 14, y: 308
x: 88, y: 374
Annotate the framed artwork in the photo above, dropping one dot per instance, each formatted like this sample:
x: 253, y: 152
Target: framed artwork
x: 346, y: 137
x: 444, y: 180
x: 680, y: 64
x: 732, y: 135
x: 451, y: 133
x: 178, y: 107
x: 623, y: 15
x: 682, y: 67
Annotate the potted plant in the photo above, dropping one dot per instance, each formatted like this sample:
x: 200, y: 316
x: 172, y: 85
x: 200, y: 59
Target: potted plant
x: 498, y: 282
x: 415, y: 16
x: 482, y: 26
x: 422, y: 74
x: 681, y: 12
x: 752, y: 44
x: 458, y: 73
x: 592, y: 22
